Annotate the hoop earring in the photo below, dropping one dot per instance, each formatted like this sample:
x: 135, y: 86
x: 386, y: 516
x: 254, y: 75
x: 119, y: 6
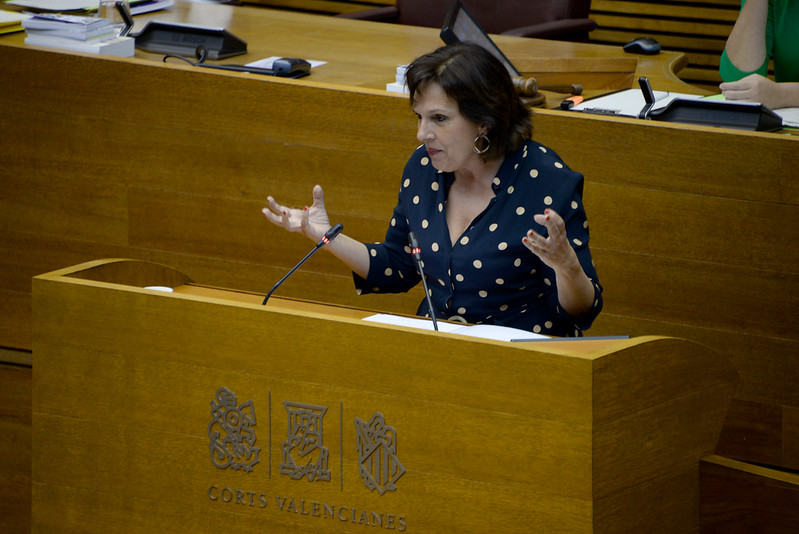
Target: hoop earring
x: 484, y: 138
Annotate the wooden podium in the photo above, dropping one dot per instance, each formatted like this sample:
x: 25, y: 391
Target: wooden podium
x: 201, y: 410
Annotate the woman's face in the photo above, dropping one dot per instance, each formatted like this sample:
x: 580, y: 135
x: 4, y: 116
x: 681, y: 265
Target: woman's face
x: 447, y: 135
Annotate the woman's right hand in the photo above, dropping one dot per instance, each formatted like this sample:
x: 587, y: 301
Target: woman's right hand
x: 311, y: 221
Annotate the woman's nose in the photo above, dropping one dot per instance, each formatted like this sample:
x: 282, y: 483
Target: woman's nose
x: 423, y: 133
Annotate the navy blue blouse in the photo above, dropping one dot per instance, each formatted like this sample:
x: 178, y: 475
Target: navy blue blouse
x: 488, y: 276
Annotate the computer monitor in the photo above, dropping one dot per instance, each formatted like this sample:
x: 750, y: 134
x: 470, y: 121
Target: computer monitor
x: 460, y: 27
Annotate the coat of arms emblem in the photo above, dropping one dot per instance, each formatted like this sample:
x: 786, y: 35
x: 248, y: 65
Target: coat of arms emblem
x: 304, y: 454
x: 231, y: 434
x: 377, y: 454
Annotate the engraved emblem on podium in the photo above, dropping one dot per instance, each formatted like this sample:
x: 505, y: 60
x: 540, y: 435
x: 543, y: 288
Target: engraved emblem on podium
x: 377, y: 454
x: 231, y: 434
x: 304, y: 454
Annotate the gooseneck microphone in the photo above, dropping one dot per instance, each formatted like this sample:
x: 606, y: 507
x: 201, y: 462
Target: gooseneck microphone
x: 329, y: 236
x: 416, y: 252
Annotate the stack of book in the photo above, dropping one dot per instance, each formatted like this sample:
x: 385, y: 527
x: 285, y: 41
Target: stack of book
x: 77, y: 33
x: 11, y: 22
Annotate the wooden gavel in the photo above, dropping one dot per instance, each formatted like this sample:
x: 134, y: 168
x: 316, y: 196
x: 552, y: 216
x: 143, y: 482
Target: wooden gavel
x: 528, y: 87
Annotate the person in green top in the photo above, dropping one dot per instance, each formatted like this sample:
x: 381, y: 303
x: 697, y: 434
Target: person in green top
x: 765, y: 30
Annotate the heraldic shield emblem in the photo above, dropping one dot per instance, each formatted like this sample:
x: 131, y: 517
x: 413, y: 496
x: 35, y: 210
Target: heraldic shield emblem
x: 232, y: 438
x: 303, y: 452
x: 377, y: 454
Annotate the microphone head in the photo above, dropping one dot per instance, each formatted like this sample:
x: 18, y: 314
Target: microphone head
x: 414, y: 243
x: 334, y: 231
x: 331, y: 234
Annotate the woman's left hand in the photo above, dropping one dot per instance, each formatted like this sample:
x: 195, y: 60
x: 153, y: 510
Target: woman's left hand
x: 575, y: 289
x: 555, y: 250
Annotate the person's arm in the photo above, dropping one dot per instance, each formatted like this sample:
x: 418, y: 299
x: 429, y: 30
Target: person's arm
x: 746, y: 45
x: 313, y: 222
x: 575, y: 290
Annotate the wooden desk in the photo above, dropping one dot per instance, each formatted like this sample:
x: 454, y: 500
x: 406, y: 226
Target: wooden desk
x: 131, y: 433
x: 364, y: 54
x: 693, y: 229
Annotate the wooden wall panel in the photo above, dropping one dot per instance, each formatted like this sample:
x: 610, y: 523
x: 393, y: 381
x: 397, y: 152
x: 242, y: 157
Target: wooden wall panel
x: 738, y: 498
x: 699, y: 29
x: 15, y: 449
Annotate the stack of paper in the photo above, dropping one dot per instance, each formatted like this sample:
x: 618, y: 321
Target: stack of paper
x: 77, y: 33
x: 61, y: 6
x: 11, y: 22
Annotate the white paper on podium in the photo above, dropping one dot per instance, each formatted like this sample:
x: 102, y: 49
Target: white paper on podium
x: 483, y: 331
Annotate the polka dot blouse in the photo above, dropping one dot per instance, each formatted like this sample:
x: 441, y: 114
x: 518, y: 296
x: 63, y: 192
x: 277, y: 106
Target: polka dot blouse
x: 488, y: 275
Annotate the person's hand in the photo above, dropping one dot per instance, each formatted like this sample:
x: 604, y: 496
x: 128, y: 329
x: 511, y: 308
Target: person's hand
x: 555, y: 250
x: 311, y: 221
x: 753, y: 88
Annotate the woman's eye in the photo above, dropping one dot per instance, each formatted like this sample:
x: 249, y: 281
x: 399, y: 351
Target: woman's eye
x: 440, y: 118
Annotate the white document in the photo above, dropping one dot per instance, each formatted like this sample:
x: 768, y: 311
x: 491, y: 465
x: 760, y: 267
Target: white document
x: 483, y: 331
x: 8, y: 17
x: 267, y: 63
x: 628, y: 103
x: 790, y: 116
x: 56, y: 5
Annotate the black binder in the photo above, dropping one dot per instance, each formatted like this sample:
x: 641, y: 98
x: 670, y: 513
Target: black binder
x: 722, y: 113
x: 183, y: 39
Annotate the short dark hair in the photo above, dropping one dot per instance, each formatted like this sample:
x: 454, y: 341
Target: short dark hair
x: 471, y: 76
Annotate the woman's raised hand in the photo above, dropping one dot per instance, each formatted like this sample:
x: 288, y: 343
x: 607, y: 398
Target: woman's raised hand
x: 311, y: 221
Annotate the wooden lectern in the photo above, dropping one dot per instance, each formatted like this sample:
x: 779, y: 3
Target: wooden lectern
x: 200, y: 410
